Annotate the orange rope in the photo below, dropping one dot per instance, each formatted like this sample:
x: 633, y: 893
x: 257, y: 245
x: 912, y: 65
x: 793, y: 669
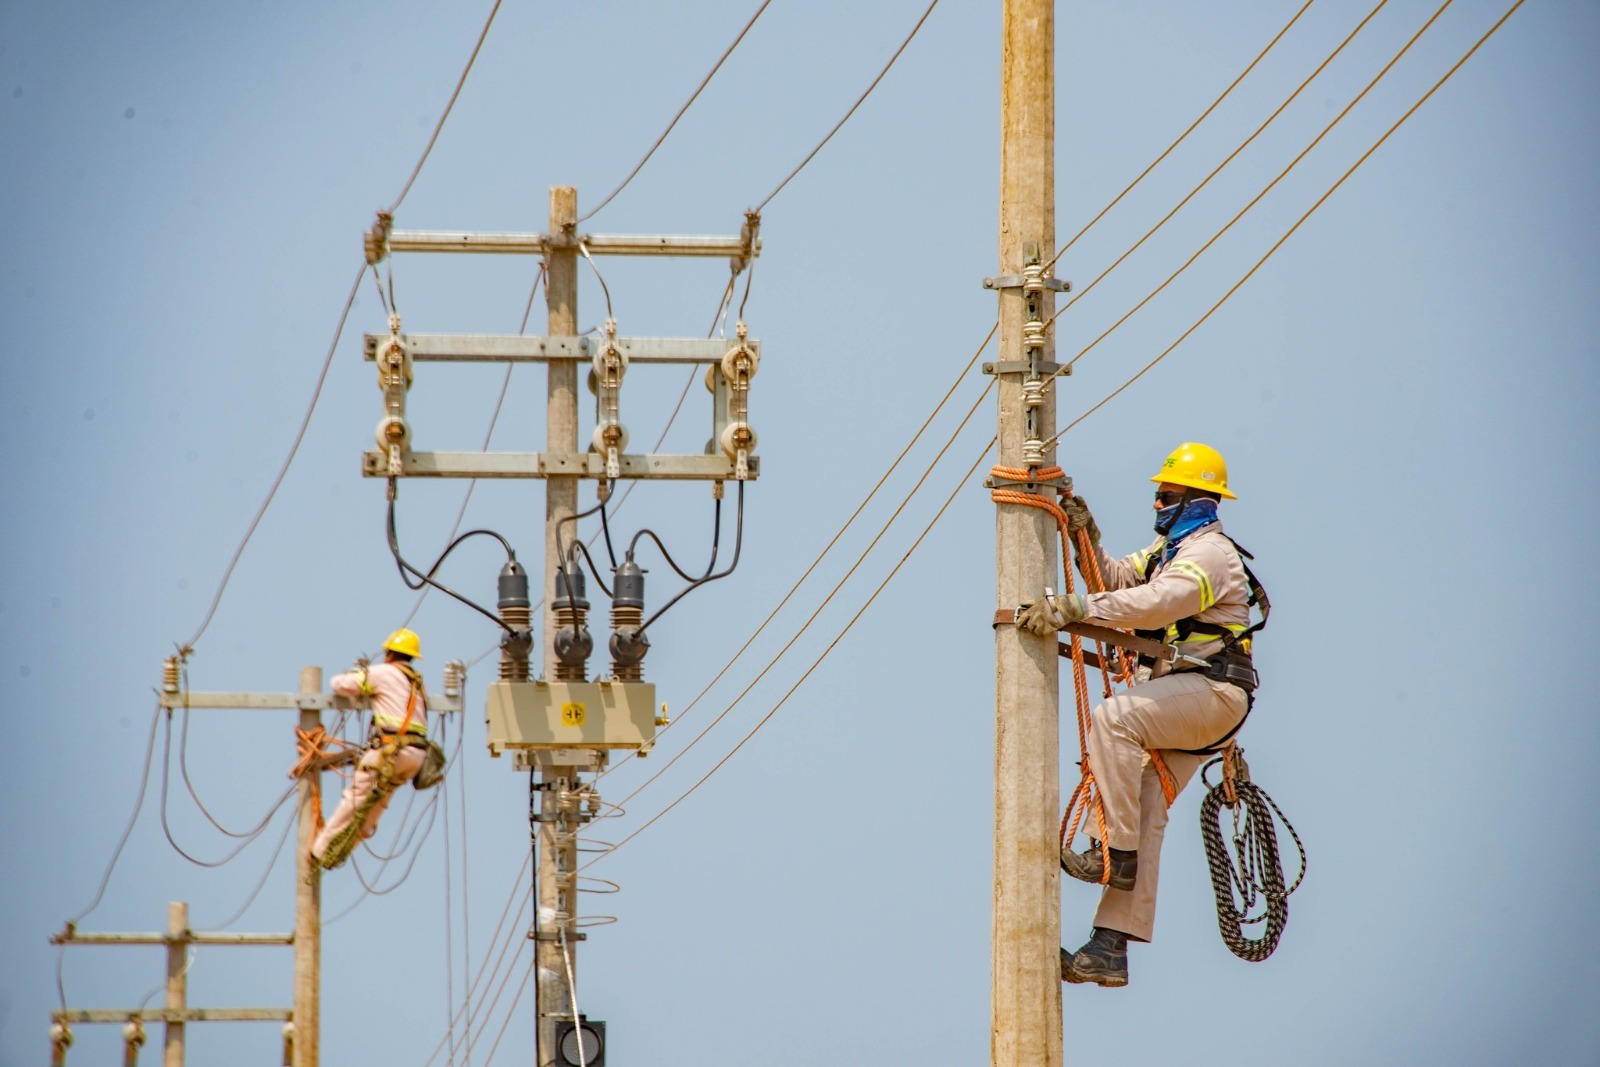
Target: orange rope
x: 314, y: 746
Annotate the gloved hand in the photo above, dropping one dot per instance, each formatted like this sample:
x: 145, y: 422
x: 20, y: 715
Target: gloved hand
x: 362, y: 663
x: 1078, y: 518
x: 1045, y: 616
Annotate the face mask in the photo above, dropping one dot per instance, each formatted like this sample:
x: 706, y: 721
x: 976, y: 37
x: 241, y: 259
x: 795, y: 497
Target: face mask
x: 1167, y: 516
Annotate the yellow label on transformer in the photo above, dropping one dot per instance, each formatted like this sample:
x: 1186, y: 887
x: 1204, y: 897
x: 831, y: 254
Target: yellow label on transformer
x: 572, y: 714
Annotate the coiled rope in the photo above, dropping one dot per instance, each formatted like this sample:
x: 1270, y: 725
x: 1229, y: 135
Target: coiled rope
x: 1252, y: 875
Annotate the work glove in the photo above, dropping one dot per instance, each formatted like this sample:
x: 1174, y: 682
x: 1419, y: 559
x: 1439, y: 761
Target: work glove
x: 1078, y: 518
x: 1045, y: 616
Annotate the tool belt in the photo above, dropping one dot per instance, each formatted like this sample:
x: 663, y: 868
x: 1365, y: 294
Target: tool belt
x: 409, y: 739
x: 1230, y: 666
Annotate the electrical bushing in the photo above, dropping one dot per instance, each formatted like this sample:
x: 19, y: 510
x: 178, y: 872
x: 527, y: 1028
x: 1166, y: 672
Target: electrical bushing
x: 628, y: 645
x: 516, y: 641
x: 573, y: 643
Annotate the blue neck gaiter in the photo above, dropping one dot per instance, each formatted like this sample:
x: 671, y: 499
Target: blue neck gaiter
x: 1196, y: 515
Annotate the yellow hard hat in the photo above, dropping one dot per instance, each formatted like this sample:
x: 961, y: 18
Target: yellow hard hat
x: 1198, y: 467
x: 405, y: 642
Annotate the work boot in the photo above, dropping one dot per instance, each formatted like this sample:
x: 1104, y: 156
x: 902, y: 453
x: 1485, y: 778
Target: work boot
x: 1089, y: 866
x: 1102, y: 960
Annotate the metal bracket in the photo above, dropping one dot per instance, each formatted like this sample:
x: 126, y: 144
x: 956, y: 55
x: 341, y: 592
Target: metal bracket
x: 1012, y: 366
x: 1015, y: 281
x: 1062, y: 484
x: 547, y: 935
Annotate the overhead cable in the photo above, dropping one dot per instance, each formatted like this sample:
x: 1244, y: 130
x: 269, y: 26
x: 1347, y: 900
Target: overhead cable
x: 1300, y: 221
x: 1065, y: 368
x: 1246, y: 143
x: 961, y: 484
x: 456, y: 93
x: 637, y: 167
x: 1182, y: 136
x: 294, y: 448
x: 926, y: 474
x: 859, y: 101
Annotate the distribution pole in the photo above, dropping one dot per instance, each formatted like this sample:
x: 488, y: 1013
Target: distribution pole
x: 177, y: 983
x: 552, y: 959
x: 1025, y: 1003
x: 308, y: 898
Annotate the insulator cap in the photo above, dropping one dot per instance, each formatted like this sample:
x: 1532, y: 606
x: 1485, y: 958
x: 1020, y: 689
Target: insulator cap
x: 628, y: 585
x: 513, y: 586
x: 569, y: 586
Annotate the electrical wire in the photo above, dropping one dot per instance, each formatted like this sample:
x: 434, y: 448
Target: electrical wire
x: 738, y: 545
x: 871, y: 494
x: 294, y: 448
x: 488, y: 435
x: 166, y: 763
x: 926, y: 474
x: 283, y: 839
x: 183, y: 770
x: 1235, y: 153
x: 960, y: 485
x: 1298, y: 223
x: 454, y: 95
x: 859, y: 101
x: 406, y: 568
x: 637, y: 167
x: 1182, y: 136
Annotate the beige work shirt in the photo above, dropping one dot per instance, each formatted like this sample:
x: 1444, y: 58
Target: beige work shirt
x: 1204, y: 580
x: 390, y: 690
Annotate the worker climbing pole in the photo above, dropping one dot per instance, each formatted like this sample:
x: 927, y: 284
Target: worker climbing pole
x: 1190, y: 683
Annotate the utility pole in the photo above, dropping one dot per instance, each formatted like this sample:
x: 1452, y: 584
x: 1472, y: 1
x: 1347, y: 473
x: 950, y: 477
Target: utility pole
x: 556, y: 963
x: 308, y: 896
x: 562, y: 725
x: 1025, y: 1000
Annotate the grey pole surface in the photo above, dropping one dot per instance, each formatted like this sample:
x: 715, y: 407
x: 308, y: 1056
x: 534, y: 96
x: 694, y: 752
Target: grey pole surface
x: 177, y: 982
x: 561, y: 500
x: 308, y: 900
x: 1025, y: 1001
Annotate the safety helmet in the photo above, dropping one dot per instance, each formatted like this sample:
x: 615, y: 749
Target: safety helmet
x: 405, y: 642
x: 1196, y: 466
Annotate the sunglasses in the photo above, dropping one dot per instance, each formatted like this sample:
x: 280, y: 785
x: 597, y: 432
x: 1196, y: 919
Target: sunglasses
x: 1168, y: 497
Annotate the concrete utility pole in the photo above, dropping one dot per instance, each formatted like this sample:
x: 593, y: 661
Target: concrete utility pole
x: 308, y: 898
x: 558, y: 855
x: 562, y: 725
x: 1025, y: 1002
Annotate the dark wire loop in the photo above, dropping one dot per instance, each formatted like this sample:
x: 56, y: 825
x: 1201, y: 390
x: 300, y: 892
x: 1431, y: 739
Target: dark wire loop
x: 406, y: 569
x: 716, y: 528
x: 738, y: 545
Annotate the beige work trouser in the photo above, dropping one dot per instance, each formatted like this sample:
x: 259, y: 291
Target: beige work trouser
x: 1176, y: 711
x: 407, y: 762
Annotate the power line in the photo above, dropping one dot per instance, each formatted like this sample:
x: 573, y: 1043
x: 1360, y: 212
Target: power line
x: 439, y: 126
x: 637, y: 167
x: 826, y: 600
x: 859, y: 101
x: 1182, y: 136
x: 1235, y: 154
x: 960, y: 485
x: 1320, y: 201
x: 1259, y: 196
x: 299, y: 436
x: 873, y: 492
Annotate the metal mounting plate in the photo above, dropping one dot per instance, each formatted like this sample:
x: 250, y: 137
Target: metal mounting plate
x: 569, y: 715
x: 1015, y: 281
x: 545, y: 464
x: 503, y: 348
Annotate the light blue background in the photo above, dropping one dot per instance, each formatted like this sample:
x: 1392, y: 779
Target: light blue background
x: 1405, y: 393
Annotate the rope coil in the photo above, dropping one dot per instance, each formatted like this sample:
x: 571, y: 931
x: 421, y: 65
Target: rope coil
x: 1252, y: 875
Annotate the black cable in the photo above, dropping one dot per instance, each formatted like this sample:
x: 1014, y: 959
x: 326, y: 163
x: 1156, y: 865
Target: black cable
x: 166, y: 775
x: 563, y: 556
x: 738, y: 545
x: 716, y: 535
x: 605, y: 528
x: 595, y: 571
x: 183, y: 769
x: 427, y: 579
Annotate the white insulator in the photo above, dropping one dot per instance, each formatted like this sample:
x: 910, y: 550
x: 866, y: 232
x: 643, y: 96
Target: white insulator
x: 711, y: 380
x: 610, y: 364
x: 610, y: 435
x: 1033, y: 452
x: 393, y: 432
x: 1033, y: 393
x: 394, y: 363
x: 1033, y: 279
x: 737, y: 437
x: 740, y: 364
x: 1033, y: 334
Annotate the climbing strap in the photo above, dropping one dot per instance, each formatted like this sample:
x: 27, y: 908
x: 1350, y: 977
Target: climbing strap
x: 1252, y: 875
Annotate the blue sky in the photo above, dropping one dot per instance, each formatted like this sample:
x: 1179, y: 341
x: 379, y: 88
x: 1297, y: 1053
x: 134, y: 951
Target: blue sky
x: 1404, y: 391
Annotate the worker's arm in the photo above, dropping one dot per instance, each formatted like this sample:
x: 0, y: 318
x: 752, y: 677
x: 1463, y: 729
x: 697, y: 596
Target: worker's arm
x: 1124, y: 573
x: 352, y: 683
x: 1186, y: 586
